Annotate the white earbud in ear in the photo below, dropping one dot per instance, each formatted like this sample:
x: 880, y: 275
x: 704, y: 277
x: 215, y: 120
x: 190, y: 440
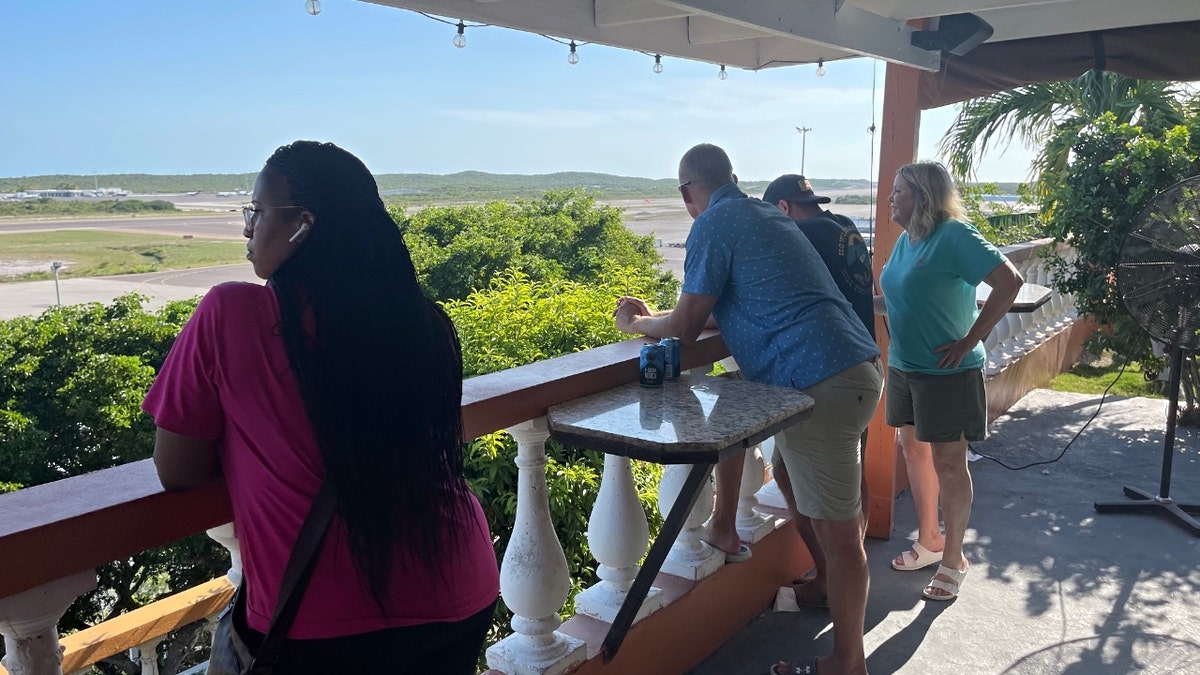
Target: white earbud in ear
x: 303, y: 228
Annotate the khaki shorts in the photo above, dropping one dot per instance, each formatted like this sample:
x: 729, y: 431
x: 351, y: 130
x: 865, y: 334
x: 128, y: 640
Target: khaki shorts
x: 822, y: 453
x: 943, y: 408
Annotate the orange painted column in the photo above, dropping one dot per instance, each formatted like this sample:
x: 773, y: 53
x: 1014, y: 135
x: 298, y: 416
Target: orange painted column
x: 898, y: 146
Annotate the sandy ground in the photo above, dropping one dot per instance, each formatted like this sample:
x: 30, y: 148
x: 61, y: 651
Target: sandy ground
x: 668, y: 221
x: 665, y: 219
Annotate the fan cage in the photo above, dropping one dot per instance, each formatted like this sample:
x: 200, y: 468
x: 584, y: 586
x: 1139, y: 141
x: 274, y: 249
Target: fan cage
x: 1158, y: 270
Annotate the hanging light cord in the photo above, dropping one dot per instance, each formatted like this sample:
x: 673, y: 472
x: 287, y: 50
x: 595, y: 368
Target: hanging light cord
x: 872, y: 184
x: 452, y: 23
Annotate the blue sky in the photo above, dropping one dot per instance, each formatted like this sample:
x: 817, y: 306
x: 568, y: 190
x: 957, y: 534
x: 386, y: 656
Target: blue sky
x: 153, y: 86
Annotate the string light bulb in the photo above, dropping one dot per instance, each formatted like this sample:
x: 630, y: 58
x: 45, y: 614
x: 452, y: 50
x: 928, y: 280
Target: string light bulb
x: 460, y: 39
x: 313, y: 7
x: 658, y: 64
x: 721, y: 74
x: 573, y: 57
x: 820, y: 67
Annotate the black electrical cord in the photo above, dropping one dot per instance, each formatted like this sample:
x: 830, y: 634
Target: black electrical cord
x: 1073, y: 438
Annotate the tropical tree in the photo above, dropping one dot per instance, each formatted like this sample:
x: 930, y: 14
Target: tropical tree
x: 1117, y: 169
x: 1050, y: 116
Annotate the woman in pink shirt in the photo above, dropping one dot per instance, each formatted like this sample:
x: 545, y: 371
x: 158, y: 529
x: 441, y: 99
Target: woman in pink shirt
x: 339, y: 369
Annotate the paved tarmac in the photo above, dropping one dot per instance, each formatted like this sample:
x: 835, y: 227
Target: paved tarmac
x: 1054, y: 587
x: 31, y: 298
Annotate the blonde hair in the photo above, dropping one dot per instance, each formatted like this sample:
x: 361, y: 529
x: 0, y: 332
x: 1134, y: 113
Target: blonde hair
x: 936, y: 197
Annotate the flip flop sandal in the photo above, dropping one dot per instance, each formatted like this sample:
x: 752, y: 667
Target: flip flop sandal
x: 950, y: 587
x: 917, y: 558
x: 741, y: 555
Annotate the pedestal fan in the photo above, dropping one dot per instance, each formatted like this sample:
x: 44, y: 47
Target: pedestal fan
x: 1158, y: 278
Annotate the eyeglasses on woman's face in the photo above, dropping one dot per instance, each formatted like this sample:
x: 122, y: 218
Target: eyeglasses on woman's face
x: 250, y: 212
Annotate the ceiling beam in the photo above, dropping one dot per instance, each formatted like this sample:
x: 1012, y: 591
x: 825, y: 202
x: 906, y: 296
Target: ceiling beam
x: 622, y: 12
x: 704, y: 30
x: 818, y: 21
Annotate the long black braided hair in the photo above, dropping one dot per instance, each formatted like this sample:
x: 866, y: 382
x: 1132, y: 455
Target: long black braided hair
x: 378, y: 364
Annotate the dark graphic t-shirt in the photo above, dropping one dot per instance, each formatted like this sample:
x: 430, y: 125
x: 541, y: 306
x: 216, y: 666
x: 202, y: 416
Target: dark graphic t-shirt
x: 845, y: 254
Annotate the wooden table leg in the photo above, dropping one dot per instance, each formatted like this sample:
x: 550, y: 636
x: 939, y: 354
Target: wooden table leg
x: 654, y: 560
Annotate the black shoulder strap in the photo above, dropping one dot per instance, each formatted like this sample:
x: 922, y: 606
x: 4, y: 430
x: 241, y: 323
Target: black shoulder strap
x: 295, y: 578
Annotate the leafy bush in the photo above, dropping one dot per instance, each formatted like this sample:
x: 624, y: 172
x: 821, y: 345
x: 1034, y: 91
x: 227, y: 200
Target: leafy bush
x: 1116, y: 170
x: 999, y: 222
x: 71, y: 384
x: 51, y: 207
x: 563, y: 235
x: 516, y: 321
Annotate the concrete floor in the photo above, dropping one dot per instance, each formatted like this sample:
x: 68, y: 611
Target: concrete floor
x: 1055, y: 587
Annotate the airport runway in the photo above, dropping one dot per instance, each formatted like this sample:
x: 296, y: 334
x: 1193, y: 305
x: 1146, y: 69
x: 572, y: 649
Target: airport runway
x: 665, y: 219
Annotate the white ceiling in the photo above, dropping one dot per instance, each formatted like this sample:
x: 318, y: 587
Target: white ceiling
x: 756, y: 34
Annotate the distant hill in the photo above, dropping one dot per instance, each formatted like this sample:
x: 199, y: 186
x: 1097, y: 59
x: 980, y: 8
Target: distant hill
x: 414, y: 188
x: 423, y: 188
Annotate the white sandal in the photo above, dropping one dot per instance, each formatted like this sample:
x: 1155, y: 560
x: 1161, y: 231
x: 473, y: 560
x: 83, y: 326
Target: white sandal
x: 951, y: 587
x: 917, y: 558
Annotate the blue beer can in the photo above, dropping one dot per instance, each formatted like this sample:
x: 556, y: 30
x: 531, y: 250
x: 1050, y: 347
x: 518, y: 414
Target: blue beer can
x: 671, y: 357
x: 651, y: 365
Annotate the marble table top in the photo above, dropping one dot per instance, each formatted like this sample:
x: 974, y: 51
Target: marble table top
x: 695, y: 419
x: 1029, y: 296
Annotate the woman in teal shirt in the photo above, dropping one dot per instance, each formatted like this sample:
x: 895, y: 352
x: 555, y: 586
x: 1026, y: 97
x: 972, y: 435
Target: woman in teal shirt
x: 936, y: 357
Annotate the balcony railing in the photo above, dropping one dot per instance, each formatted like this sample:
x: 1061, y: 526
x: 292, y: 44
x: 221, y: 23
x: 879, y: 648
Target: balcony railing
x: 53, y: 536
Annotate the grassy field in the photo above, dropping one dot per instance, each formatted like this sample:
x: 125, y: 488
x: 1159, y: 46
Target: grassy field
x: 1086, y: 378
x: 90, y: 253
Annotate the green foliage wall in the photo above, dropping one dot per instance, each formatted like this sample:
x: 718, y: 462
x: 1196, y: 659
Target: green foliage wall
x: 57, y: 207
x: 71, y: 385
x: 1002, y: 223
x: 563, y: 235
x: 1116, y: 170
x: 516, y: 321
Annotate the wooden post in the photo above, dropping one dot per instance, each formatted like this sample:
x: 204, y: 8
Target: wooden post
x: 898, y: 146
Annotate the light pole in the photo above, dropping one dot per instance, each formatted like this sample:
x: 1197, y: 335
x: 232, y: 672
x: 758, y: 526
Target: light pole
x: 54, y: 267
x: 803, y: 142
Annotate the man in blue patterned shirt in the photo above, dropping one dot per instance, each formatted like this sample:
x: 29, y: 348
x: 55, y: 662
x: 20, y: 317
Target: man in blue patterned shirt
x: 749, y: 270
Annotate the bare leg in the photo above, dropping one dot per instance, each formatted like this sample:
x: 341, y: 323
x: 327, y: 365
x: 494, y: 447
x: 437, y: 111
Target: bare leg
x: 847, y: 582
x: 722, y: 527
x: 813, y: 592
x: 950, y: 461
x: 923, y: 479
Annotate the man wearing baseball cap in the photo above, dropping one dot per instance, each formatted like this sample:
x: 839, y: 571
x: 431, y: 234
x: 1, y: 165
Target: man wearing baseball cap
x: 835, y: 237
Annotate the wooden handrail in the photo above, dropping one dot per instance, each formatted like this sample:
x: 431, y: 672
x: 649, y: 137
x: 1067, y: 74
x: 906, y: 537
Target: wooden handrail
x: 144, y: 624
x: 76, y: 524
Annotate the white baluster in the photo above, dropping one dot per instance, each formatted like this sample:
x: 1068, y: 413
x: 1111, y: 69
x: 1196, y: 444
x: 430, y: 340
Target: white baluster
x: 1064, y: 302
x: 1013, y: 345
x: 751, y: 525
x: 147, y: 655
x: 1043, y: 318
x: 618, y: 535
x: 226, y: 535
x: 534, y: 579
x: 29, y: 623
x: 991, y: 345
x: 1027, y: 341
x: 690, y: 557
